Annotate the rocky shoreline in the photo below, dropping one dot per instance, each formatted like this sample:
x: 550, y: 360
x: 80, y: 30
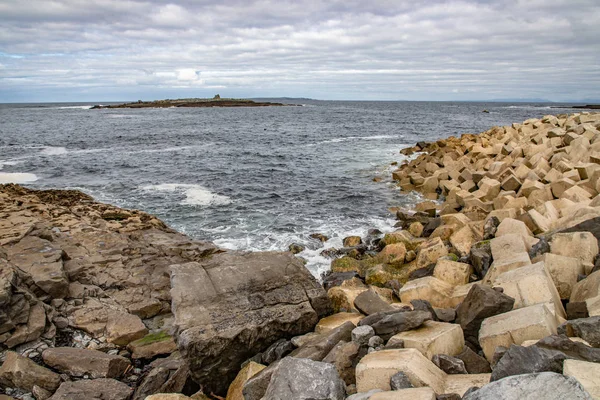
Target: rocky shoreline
x: 489, y: 290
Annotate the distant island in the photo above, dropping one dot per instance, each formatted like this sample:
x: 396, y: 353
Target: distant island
x: 216, y: 101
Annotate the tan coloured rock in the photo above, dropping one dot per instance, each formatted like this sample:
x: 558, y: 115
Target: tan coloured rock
x: 463, y: 239
x: 531, y: 285
x: 593, y: 306
x: 235, y: 389
x: 514, y: 327
x: 80, y: 362
x: 439, y: 293
x: 433, y: 338
x: 564, y: 272
x: 333, y: 321
x: 375, y: 370
x: 422, y: 393
x: 430, y: 252
x: 514, y: 227
x: 20, y: 372
x: 452, y: 272
x: 392, y: 254
x: 123, y: 328
x: 587, y: 288
x: 586, y: 373
x: 581, y: 245
x: 342, y: 297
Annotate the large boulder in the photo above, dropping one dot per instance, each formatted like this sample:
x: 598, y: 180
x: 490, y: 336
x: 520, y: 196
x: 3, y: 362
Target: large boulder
x: 302, y: 379
x: 481, y: 302
x: 234, y: 305
x: 525, y: 360
x: 543, y: 385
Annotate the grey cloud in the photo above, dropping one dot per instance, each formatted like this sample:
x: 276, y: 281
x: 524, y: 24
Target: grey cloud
x: 334, y: 49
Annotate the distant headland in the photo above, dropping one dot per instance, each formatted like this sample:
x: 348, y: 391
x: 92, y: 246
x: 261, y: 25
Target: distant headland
x: 216, y: 101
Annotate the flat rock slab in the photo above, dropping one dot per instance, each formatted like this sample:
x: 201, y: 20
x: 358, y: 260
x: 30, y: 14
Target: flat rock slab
x: 79, y: 362
x: 20, y: 372
x: 93, y: 389
x: 234, y: 305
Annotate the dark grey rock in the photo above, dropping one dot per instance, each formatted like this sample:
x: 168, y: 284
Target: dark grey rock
x: 151, y: 383
x: 421, y: 272
x: 543, y: 385
x: 481, y: 302
x: 577, y: 309
x: 369, y: 302
x: 424, y: 305
x: 570, y: 348
x: 586, y: 328
x: 480, y: 257
x: 541, y: 247
x: 256, y: 387
x: 375, y: 341
x: 316, y: 349
x: 431, y: 226
x: 470, y: 390
x: 277, y: 351
x: 498, y: 354
x: 400, y: 381
x: 362, y: 334
x: 448, y: 396
x: 490, y: 227
x: 387, y: 324
x: 234, y: 305
x: 303, y: 379
x: 448, y: 364
x: 337, y: 278
x: 445, y: 314
x: 526, y: 360
x: 474, y: 363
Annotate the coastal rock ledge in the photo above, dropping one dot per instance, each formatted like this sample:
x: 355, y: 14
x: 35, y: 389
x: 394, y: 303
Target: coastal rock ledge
x: 122, y: 287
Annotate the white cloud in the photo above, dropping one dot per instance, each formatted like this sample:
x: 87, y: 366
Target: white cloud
x: 340, y: 48
x: 188, y: 74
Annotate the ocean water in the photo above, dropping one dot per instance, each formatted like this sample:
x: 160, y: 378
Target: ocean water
x: 245, y: 178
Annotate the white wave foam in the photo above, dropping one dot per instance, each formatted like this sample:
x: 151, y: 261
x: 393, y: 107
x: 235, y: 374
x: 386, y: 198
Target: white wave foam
x: 195, y: 195
x: 75, y: 107
x: 351, y: 138
x: 3, y: 163
x: 17, y: 177
x: 54, y: 151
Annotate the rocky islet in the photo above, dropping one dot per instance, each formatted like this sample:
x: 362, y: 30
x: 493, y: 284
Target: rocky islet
x: 488, y: 288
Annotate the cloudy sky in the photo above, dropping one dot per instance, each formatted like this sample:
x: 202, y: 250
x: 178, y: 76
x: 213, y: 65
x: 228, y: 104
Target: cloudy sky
x: 81, y: 50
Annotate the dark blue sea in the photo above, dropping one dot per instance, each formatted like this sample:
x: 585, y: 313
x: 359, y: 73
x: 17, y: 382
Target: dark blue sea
x: 244, y: 178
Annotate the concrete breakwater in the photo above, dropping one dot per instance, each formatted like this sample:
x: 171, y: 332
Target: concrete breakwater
x: 488, y: 289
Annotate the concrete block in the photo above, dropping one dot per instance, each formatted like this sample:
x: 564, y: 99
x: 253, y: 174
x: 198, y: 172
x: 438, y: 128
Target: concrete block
x: 430, y: 252
x: 530, y: 285
x: 509, y: 262
x: 452, y: 272
x: 513, y: 226
x: 581, y: 245
x: 463, y: 239
x: 433, y: 338
x: 429, y: 288
x: 564, y: 272
x: 587, y: 288
x: 422, y: 393
x: 586, y: 373
x: 375, y: 370
x: 514, y: 327
x: 459, y: 384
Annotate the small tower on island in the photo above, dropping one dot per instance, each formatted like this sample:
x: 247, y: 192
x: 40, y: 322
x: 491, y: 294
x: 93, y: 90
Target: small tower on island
x: 217, y: 97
